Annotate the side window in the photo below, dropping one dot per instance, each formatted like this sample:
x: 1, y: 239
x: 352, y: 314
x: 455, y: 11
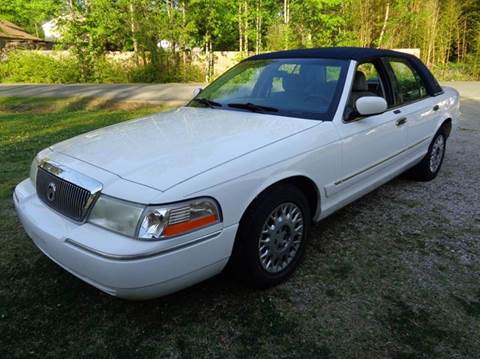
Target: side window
x: 372, y: 76
x: 409, y: 85
x: 366, y: 82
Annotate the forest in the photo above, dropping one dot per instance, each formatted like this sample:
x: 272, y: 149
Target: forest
x: 447, y: 33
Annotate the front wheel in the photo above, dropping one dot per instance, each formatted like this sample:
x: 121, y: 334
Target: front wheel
x: 430, y: 165
x: 271, y: 239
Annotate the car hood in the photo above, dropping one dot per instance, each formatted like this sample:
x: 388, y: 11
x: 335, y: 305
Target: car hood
x: 165, y: 149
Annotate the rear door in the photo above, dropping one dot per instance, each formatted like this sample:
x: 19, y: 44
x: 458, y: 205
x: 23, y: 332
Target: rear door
x: 416, y: 107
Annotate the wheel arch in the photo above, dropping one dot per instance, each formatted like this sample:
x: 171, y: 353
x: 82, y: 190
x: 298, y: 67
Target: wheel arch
x: 302, y: 182
x: 446, y: 126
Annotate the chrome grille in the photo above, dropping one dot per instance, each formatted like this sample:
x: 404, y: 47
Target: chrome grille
x: 63, y: 196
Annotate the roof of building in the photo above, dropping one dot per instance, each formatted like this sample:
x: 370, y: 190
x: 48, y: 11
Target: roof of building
x: 11, y: 31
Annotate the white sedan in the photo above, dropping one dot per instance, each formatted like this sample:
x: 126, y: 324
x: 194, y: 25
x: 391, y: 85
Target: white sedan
x: 147, y: 207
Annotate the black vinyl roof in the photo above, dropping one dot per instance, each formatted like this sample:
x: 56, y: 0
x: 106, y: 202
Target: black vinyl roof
x: 358, y: 54
x: 344, y: 53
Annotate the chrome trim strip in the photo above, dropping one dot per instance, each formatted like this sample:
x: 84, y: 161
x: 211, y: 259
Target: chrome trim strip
x: 343, y: 180
x: 129, y: 257
x: 71, y: 176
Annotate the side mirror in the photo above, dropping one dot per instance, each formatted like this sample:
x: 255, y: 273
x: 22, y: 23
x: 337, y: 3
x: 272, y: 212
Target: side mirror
x: 196, y: 91
x: 371, y: 105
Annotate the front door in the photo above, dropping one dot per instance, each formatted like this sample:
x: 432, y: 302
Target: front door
x: 371, y: 146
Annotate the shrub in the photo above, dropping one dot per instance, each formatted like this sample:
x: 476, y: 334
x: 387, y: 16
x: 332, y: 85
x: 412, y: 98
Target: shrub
x: 110, y: 71
x: 148, y: 73
x: 467, y: 70
x: 192, y: 73
x: 35, y: 67
x: 57, y: 67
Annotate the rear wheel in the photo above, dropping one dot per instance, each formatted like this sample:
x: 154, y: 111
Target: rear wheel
x: 271, y: 239
x: 430, y: 165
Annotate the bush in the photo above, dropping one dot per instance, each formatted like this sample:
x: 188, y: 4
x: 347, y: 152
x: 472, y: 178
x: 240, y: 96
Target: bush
x: 190, y: 73
x: 147, y: 73
x: 468, y: 70
x: 35, y: 67
x: 110, y: 72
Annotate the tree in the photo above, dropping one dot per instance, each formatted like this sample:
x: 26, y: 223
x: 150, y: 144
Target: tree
x: 30, y: 14
x: 445, y: 31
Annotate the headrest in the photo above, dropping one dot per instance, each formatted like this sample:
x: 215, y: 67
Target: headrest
x: 360, y: 82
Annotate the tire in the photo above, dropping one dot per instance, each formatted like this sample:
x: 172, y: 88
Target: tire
x: 271, y: 228
x: 430, y: 165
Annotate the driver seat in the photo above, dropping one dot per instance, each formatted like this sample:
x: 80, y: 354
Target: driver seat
x: 360, y: 87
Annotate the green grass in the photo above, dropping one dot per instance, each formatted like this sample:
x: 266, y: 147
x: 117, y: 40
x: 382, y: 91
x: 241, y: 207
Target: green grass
x: 393, y: 275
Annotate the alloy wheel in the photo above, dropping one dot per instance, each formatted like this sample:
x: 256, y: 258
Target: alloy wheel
x: 281, y: 236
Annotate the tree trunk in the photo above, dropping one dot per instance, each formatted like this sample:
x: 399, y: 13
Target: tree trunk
x: 258, y: 28
x: 184, y: 45
x: 213, y: 58
x: 475, y: 64
x: 209, y: 57
x: 458, y: 39
x: 432, y: 34
x: 286, y: 21
x: 245, y: 42
x: 240, y: 26
x: 133, y: 30
x: 385, y: 20
x: 435, y: 30
x: 169, y: 8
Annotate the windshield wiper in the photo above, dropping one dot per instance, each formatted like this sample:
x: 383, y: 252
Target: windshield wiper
x: 252, y: 107
x: 207, y: 102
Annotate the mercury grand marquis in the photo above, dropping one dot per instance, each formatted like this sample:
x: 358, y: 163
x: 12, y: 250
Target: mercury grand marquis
x: 236, y: 177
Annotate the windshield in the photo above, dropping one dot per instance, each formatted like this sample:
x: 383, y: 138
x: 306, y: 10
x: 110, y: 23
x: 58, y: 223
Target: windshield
x: 306, y: 88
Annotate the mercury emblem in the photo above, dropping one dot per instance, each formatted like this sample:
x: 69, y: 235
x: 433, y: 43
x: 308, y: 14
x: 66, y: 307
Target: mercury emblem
x: 51, y: 190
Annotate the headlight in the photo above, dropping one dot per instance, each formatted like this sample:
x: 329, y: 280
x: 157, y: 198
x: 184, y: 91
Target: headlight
x: 116, y: 215
x: 173, y: 220
x: 33, y: 170
x: 154, y: 222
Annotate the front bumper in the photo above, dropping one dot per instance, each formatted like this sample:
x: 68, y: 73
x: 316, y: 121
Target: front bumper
x: 118, y: 265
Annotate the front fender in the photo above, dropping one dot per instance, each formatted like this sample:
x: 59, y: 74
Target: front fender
x: 280, y: 177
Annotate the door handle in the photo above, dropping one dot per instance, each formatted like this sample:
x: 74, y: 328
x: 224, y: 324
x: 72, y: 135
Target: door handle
x: 401, y: 121
x: 436, y: 108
